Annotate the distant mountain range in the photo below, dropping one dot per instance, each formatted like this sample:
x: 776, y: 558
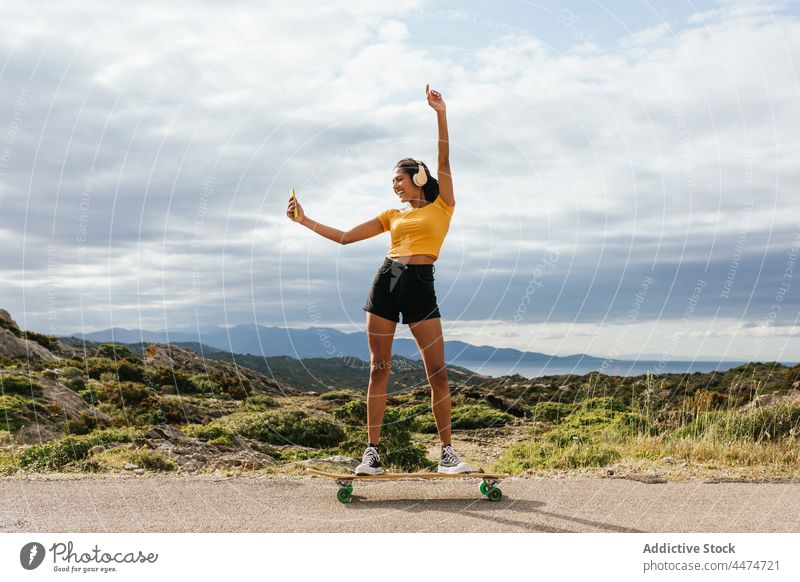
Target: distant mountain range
x: 321, y: 342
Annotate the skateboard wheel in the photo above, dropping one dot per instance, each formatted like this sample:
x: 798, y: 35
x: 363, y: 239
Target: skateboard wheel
x: 344, y: 494
x: 494, y: 494
x: 484, y: 488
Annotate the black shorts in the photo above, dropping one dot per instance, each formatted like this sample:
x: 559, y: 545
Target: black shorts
x: 399, y: 288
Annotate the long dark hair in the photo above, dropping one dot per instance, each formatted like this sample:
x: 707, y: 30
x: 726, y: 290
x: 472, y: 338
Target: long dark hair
x: 410, y: 166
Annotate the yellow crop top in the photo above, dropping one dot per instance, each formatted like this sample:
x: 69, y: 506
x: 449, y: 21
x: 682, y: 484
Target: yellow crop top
x: 419, y: 231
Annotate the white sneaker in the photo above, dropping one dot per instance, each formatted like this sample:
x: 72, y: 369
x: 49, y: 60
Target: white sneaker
x: 451, y: 464
x: 370, y: 463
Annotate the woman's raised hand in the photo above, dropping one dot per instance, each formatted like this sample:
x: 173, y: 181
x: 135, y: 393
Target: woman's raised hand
x: 294, y: 204
x: 434, y: 99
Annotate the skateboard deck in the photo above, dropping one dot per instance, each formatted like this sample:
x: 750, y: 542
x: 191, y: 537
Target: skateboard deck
x: 489, y: 485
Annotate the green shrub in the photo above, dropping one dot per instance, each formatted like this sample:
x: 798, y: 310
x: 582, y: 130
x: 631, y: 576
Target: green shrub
x: 216, y: 384
x: 605, y: 403
x: 203, y: 385
x: 48, y: 342
x: 206, y: 432
x: 276, y: 427
x: 89, y: 393
x: 76, y: 384
x: 71, y: 372
x: 114, y: 351
x: 169, y: 409
x: 125, y: 394
x: 12, y: 408
x: 587, y: 437
x: 8, y: 463
x: 425, y: 423
x: 340, y: 395
x: 57, y: 454
x: 466, y: 416
x: 479, y: 416
x: 397, y: 445
x: 291, y: 455
x: 551, y: 411
x: 116, y: 458
x: 10, y: 326
x: 397, y: 399
x: 109, y: 378
x: 73, y: 377
x: 234, y: 386
x: 703, y: 401
x: 121, y: 370
x: 125, y: 403
x: 259, y: 402
x: 130, y: 371
x: 416, y: 410
x: 97, y: 366
x: 171, y: 381
x: 547, y: 455
x: 84, y: 423
x: 225, y: 440
x: 13, y: 384
x: 764, y: 423
x: 591, y: 421
x: 699, y: 426
x: 152, y: 460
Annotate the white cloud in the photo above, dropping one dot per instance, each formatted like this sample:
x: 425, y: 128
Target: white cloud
x: 618, y: 156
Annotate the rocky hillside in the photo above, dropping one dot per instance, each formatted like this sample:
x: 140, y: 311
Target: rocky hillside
x: 79, y: 406
x: 737, y: 387
x: 190, y: 362
x: 17, y: 343
x: 334, y: 373
x: 97, y: 407
x: 51, y: 388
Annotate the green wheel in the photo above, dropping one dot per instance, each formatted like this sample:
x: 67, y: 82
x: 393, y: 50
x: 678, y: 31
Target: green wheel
x: 344, y: 494
x: 494, y: 494
x: 484, y: 488
x: 349, y: 487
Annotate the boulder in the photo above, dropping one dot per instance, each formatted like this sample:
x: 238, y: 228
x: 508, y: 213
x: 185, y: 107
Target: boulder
x: 11, y: 345
x: 166, y: 432
x: 5, y: 318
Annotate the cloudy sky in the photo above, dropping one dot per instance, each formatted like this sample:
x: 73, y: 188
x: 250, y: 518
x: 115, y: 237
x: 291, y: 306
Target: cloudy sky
x: 626, y: 174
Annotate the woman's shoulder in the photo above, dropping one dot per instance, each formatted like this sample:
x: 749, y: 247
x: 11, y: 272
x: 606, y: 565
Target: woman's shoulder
x: 440, y: 202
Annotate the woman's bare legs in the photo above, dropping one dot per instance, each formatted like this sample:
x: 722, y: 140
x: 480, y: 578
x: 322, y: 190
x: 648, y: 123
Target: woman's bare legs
x: 428, y: 335
x: 380, y: 334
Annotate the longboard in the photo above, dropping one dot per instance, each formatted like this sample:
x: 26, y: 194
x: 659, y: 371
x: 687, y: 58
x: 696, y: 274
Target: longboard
x: 489, y: 484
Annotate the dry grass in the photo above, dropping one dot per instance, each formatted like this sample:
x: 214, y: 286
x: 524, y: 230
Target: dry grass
x: 115, y: 460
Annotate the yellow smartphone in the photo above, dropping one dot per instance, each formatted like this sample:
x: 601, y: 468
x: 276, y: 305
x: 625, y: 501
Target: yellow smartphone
x: 295, y: 199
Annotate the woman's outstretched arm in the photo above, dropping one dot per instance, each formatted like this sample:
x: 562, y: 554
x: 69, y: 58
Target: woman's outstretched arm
x: 362, y: 231
x: 445, y: 177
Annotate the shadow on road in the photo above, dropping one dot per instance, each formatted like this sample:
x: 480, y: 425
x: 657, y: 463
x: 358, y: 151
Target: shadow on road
x: 508, y: 512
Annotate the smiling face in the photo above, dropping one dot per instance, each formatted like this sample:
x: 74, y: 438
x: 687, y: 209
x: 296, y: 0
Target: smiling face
x: 404, y: 187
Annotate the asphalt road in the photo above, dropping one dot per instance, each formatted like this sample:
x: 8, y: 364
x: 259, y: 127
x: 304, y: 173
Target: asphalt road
x: 306, y: 504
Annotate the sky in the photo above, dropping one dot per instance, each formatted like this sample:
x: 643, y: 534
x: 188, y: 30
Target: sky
x: 626, y: 174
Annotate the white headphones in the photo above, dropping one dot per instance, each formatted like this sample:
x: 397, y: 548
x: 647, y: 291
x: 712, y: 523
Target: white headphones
x: 420, y: 178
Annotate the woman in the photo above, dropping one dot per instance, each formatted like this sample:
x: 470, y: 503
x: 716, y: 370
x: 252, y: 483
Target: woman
x: 404, y: 284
